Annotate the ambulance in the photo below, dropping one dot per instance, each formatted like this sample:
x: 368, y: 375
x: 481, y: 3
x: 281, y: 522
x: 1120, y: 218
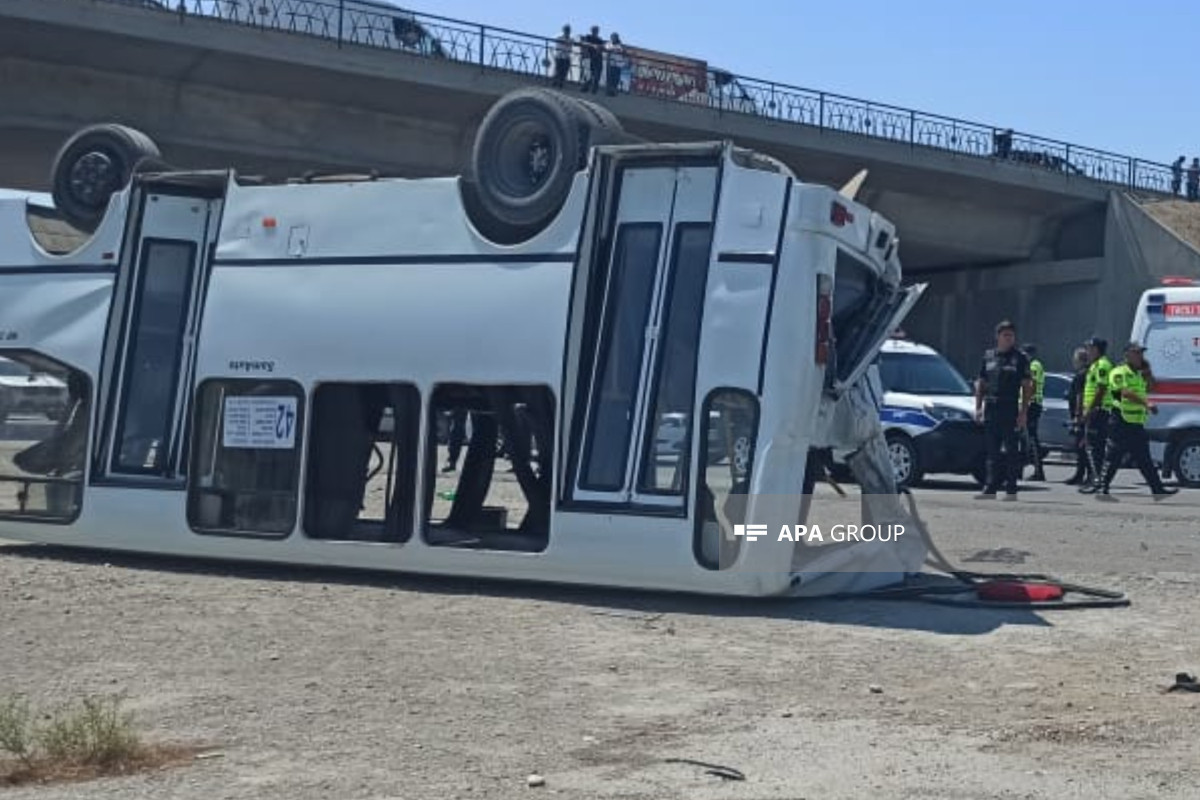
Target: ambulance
x: 1167, y: 324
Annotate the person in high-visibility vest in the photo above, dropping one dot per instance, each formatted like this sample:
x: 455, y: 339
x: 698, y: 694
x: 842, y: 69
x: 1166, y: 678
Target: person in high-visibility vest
x: 1033, y: 443
x: 1083, y: 472
x: 1129, y: 385
x: 1097, y: 405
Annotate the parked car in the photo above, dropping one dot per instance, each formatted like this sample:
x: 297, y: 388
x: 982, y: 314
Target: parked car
x: 23, y: 391
x: 928, y: 415
x: 1054, y: 427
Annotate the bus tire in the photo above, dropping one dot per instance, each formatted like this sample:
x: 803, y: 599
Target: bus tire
x: 528, y: 149
x: 93, y: 165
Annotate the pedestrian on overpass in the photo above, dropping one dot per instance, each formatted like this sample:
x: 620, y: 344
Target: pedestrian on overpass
x: 1038, y: 371
x: 1097, y: 408
x: 1003, y: 392
x: 1083, y: 473
x: 1129, y: 385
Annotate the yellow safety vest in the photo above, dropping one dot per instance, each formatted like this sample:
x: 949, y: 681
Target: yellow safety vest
x: 1039, y: 379
x: 1097, y: 375
x: 1125, y: 378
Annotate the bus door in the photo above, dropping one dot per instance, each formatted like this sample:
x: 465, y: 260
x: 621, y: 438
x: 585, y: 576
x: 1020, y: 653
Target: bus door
x: 631, y: 411
x: 738, y: 301
x: 149, y: 350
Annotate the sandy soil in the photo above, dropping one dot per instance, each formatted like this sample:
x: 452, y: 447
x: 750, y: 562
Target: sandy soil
x: 318, y: 684
x: 1180, y: 216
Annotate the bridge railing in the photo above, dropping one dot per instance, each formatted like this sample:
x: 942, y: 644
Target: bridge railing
x: 371, y: 24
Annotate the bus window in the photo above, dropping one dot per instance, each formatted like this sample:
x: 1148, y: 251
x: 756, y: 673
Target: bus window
x: 620, y: 363
x: 727, y: 447
x: 45, y: 411
x: 497, y: 496
x: 362, y: 458
x: 665, y: 460
x: 246, y: 459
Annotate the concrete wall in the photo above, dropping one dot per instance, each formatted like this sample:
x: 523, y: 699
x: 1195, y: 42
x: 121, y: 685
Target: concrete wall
x: 1056, y: 304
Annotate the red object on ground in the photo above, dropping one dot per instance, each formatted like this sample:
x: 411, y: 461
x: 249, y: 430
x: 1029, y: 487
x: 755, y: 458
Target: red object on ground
x: 1017, y: 592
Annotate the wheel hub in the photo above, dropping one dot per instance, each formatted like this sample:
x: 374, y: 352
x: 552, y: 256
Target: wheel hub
x: 1189, y: 463
x: 539, y: 160
x: 93, y: 178
x: 900, y: 461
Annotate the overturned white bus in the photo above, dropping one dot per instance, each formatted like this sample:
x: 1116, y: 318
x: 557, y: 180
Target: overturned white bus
x: 647, y: 342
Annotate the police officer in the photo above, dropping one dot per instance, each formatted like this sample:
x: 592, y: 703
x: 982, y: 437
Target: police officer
x: 1075, y: 406
x: 1038, y: 370
x: 1097, y: 405
x: 1129, y: 386
x: 1003, y: 391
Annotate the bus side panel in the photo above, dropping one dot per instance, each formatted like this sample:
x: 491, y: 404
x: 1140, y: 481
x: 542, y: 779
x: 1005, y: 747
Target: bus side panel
x: 59, y: 315
x: 472, y: 323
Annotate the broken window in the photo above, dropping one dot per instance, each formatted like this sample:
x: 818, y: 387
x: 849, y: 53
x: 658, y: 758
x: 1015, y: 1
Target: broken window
x: 45, y: 411
x: 362, y: 459
x: 246, y: 457
x: 727, y: 453
x: 498, y: 497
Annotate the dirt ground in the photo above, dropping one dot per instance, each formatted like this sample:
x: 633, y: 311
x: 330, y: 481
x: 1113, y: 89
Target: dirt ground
x: 1180, y: 216
x: 319, y: 684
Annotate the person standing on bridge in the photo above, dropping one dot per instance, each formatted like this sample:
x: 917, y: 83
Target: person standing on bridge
x: 1097, y: 408
x: 1129, y: 385
x: 1003, y: 392
x: 1177, y: 175
x: 563, y: 46
x: 1038, y: 371
x: 617, y: 62
x: 1193, y: 180
x: 593, y: 50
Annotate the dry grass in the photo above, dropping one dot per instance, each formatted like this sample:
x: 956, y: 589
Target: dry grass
x: 1180, y: 216
x: 92, y: 739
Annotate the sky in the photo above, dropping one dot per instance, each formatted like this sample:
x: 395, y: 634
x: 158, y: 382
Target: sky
x: 1111, y: 75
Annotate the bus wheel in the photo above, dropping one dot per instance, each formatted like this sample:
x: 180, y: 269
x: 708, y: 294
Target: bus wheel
x: 92, y: 166
x: 1185, y: 461
x: 529, y: 147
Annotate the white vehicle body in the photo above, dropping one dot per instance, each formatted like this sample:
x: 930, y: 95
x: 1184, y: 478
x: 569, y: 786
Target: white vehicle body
x: 235, y: 348
x: 1167, y: 324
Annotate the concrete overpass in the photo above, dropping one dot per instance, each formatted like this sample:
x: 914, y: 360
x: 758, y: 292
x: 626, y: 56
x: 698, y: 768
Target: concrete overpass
x: 996, y: 237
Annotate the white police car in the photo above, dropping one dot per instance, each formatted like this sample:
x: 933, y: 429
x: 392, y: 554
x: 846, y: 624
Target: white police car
x: 928, y: 414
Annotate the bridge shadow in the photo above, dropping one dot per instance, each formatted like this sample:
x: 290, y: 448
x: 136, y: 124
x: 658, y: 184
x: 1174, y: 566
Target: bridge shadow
x: 892, y: 612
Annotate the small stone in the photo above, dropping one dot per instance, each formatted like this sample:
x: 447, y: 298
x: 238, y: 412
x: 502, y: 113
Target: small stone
x: 875, y: 688
x: 786, y: 715
x: 535, y: 780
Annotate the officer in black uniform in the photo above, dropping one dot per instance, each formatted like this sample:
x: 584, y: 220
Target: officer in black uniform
x: 1003, y: 392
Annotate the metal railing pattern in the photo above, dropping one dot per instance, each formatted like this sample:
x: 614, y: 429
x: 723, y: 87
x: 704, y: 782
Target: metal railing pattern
x: 366, y: 24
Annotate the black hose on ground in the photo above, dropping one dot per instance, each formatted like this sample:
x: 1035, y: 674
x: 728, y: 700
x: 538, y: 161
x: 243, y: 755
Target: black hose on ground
x: 966, y: 589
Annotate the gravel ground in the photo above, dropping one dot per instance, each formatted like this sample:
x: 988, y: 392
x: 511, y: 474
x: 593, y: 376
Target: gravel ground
x: 319, y: 684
